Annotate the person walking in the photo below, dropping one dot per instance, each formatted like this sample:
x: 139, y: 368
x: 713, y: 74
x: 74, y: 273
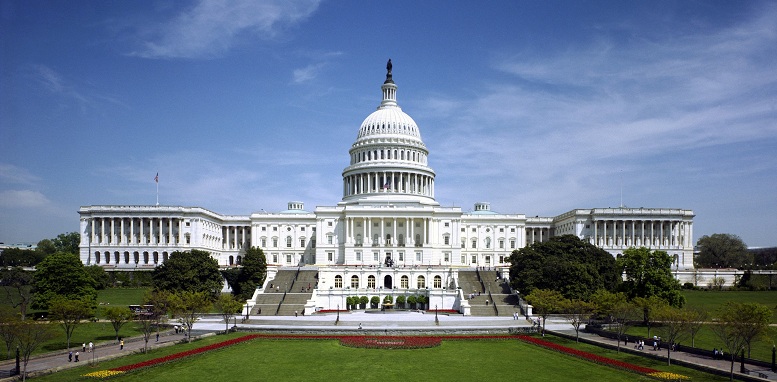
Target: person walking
x: 121, y: 344
x: 70, y: 357
x: 83, y: 346
x: 76, y: 355
x: 91, y: 346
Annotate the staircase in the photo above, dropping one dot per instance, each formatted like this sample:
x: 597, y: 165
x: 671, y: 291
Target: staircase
x: 506, y: 303
x: 286, y: 293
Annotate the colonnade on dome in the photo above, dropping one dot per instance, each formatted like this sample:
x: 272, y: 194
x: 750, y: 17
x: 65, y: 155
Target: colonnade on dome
x: 388, y: 182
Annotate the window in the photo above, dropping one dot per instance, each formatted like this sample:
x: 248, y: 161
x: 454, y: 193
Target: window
x: 329, y: 224
x: 474, y: 243
x: 446, y: 240
x: 313, y: 242
x: 501, y: 244
x: 264, y: 242
x: 329, y: 239
x: 447, y: 224
x: 437, y: 282
x: 275, y: 229
x: 288, y: 241
x: 275, y: 258
x: 404, y: 282
x: 501, y: 229
x: 288, y: 259
x: 264, y: 228
x: 512, y: 244
x: 447, y: 257
x: 418, y: 256
x: 474, y: 259
x: 501, y: 259
x: 371, y: 281
x: 488, y: 242
x: 330, y: 256
x: 302, y: 229
x: 338, y: 281
x: 275, y: 242
x: 302, y: 242
x: 463, y: 259
x: 474, y: 229
x: 358, y: 256
x: 512, y: 229
x: 401, y: 256
x: 421, y: 282
x: 355, y: 282
x: 463, y: 243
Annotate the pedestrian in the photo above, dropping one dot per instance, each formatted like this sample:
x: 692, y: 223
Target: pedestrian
x: 91, y: 346
x: 70, y: 357
x: 83, y: 345
x: 121, y: 344
x: 486, y: 302
x: 76, y: 355
x: 157, y: 337
x: 295, y: 313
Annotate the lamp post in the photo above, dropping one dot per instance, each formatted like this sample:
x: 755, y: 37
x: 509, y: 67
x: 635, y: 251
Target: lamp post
x: 338, y: 315
x: 436, y: 320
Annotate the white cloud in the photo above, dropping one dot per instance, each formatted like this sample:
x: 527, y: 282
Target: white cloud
x: 23, y: 199
x: 16, y: 175
x: 307, y: 73
x: 212, y: 27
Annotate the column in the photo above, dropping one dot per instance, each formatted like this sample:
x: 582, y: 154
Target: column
x: 113, y: 231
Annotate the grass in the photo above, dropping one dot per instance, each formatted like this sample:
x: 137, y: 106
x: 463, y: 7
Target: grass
x: 325, y: 360
x: 712, y: 300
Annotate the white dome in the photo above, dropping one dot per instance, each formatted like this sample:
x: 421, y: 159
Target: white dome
x: 389, y: 120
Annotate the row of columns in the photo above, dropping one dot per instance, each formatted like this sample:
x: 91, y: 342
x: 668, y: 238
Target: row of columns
x: 537, y: 235
x: 409, y: 232
x: 388, y: 181
x: 386, y: 154
x: 235, y: 237
x: 659, y: 233
x: 136, y: 231
x: 105, y: 257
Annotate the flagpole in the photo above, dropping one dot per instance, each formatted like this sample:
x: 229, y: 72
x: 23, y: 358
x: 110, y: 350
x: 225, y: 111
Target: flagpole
x: 156, y: 180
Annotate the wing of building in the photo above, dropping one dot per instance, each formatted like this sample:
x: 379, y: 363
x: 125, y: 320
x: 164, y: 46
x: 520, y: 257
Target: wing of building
x: 388, y: 233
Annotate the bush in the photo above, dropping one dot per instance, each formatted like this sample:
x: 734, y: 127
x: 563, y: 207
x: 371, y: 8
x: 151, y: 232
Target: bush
x: 363, y: 300
x: 374, y: 301
x: 689, y: 286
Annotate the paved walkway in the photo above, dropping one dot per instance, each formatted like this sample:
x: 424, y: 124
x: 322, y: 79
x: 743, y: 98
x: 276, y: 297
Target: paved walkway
x: 351, y: 321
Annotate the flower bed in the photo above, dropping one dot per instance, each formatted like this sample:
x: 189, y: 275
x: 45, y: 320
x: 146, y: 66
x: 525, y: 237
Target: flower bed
x: 390, y: 342
x: 604, y: 360
x: 156, y: 361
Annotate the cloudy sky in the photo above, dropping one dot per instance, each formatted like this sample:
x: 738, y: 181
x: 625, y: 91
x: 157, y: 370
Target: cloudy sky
x: 536, y: 107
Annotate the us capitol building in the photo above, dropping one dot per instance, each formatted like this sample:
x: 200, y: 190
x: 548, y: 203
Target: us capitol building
x: 388, y: 234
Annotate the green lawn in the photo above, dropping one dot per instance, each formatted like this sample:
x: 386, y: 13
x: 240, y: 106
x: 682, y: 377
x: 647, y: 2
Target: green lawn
x: 326, y: 360
x: 712, y: 301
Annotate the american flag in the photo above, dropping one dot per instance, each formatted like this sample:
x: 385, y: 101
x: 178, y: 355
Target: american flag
x: 156, y: 178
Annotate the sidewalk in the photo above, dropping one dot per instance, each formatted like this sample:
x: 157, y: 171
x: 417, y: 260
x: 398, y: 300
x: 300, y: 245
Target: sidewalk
x: 724, y: 365
x: 55, y: 361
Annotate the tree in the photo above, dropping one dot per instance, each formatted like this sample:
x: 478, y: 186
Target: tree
x: 18, y: 288
x: 566, y: 264
x: 674, y: 326
x: 545, y: 302
x: 228, y: 306
x: 649, y: 273
x: 118, y: 315
x: 148, y: 320
x: 20, y: 257
x: 99, y: 275
x: 62, y: 275
x: 697, y: 318
x: 616, y: 308
x: 251, y: 274
x: 648, y: 305
x: 739, y: 324
x: 68, y: 242
x: 69, y: 313
x: 30, y: 335
x: 722, y: 250
x: 8, y: 320
x: 578, y: 312
x: 189, y: 306
x: 194, y: 271
x: 46, y: 247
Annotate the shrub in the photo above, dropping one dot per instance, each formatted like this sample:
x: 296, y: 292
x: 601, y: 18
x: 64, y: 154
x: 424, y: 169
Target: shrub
x: 374, y: 301
x: 363, y: 300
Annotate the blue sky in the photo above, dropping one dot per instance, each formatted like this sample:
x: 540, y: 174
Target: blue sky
x: 536, y: 107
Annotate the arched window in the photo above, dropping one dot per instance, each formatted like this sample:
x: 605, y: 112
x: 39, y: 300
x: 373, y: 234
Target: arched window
x: 338, y: 281
x: 97, y: 257
x: 156, y: 257
x: 145, y: 257
x: 116, y: 257
x: 164, y: 256
x: 136, y: 257
x: 421, y: 282
x: 288, y: 241
x: 404, y: 282
x: 488, y: 242
x: 355, y: 282
x: 371, y: 281
x: 239, y: 260
x: 231, y: 260
x: 437, y: 281
x: 107, y: 258
x: 388, y: 239
x: 126, y: 257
